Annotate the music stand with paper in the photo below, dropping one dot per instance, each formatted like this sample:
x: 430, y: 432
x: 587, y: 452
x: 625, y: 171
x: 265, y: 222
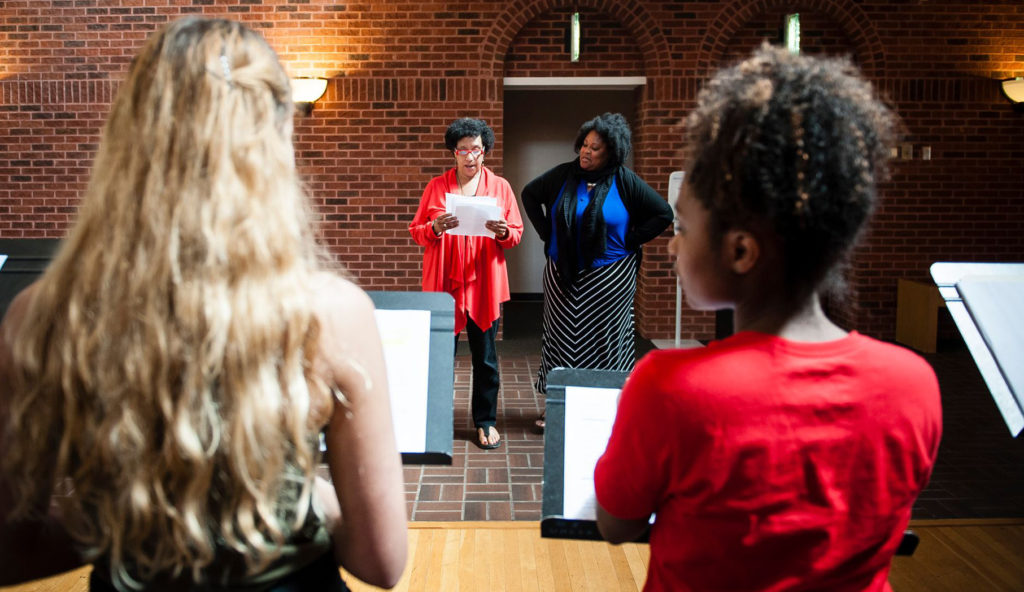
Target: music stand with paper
x: 986, y: 301
x: 25, y: 260
x: 567, y: 520
x: 675, y: 185
x: 569, y: 473
x: 421, y: 383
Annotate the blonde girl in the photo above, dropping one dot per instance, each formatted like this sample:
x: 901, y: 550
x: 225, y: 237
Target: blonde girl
x: 169, y: 374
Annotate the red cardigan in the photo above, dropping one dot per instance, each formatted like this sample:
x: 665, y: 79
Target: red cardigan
x: 470, y: 268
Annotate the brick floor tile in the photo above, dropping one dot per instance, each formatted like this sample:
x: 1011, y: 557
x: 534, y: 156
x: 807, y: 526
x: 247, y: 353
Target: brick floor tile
x: 460, y: 478
x: 527, y: 476
x: 499, y: 511
x: 453, y: 493
x: 526, y: 511
x: 487, y: 488
x: 424, y: 506
x: 475, y: 511
x: 430, y: 492
x: 518, y: 460
x: 498, y: 496
x: 526, y: 492
x: 446, y: 516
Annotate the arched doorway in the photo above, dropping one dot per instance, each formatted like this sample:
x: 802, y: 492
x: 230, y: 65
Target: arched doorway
x: 540, y: 125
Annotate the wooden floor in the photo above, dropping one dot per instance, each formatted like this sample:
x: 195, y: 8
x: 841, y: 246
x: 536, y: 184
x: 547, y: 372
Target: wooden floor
x: 954, y: 556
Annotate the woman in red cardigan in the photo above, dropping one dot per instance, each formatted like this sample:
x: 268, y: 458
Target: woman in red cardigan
x: 471, y: 268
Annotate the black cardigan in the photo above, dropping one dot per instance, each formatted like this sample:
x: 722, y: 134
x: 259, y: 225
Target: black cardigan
x: 649, y: 213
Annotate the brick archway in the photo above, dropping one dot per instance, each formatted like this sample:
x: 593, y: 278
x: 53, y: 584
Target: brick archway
x: 654, y: 51
x: 634, y: 18
x: 870, y: 52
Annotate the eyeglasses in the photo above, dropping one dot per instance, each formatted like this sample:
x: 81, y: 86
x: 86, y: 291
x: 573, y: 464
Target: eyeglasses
x: 476, y: 152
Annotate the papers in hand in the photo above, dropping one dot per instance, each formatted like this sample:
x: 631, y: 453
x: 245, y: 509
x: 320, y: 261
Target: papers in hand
x: 473, y: 213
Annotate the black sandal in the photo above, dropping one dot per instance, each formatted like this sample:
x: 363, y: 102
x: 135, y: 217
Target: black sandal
x: 540, y: 421
x: 487, y: 434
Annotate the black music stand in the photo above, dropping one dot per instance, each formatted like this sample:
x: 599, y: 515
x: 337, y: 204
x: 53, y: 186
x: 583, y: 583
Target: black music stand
x: 554, y: 521
x: 439, y: 412
x: 27, y: 259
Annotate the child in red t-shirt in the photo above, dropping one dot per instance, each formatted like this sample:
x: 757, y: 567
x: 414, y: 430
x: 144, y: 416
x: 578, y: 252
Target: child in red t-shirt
x: 787, y: 456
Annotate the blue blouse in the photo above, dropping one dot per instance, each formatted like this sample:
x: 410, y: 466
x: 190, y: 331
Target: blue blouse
x: 616, y: 220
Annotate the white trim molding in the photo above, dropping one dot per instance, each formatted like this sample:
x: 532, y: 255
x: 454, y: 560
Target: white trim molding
x: 574, y: 82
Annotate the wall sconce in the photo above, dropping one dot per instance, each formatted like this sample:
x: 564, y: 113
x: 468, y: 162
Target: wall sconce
x: 791, y: 33
x: 306, y: 91
x: 574, y: 37
x: 1013, y: 88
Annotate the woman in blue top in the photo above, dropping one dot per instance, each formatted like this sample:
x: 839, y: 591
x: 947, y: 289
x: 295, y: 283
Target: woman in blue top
x: 593, y: 214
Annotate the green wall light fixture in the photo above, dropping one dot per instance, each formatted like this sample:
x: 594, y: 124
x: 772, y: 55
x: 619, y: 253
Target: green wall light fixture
x: 574, y: 37
x: 791, y: 33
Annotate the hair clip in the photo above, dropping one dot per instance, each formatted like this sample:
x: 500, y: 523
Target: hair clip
x: 226, y: 66
x: 225, y: 69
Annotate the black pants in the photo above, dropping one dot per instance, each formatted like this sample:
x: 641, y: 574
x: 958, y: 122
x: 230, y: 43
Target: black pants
x: 485, y: 372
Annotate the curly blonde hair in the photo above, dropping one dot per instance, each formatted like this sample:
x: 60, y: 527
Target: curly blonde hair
x: 164, y: 368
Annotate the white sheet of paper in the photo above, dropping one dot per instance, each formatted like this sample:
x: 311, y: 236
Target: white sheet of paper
x: 3, y: 259
x: 473, y: 213
x: 405, y: 335
x: 589, y: 415
x: 997, y: 306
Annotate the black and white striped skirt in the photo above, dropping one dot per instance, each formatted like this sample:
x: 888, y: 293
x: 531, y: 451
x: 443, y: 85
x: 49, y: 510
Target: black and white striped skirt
x: 589, y: 324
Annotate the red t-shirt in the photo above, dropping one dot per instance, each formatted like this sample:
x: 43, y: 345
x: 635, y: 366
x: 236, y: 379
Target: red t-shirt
x: 771, y: 464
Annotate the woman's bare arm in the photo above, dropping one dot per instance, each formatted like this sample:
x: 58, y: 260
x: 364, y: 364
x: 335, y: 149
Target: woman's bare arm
x: 617, y: 530
x: 370, y: 539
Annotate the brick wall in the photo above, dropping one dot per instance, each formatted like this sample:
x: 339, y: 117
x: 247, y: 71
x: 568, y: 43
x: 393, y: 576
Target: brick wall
x: 607, y: 48
x: 402, y: 70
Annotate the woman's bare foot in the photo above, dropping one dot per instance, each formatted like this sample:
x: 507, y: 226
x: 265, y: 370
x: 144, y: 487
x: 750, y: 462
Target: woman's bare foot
x: 540, y: 421
x: 488, y: 437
